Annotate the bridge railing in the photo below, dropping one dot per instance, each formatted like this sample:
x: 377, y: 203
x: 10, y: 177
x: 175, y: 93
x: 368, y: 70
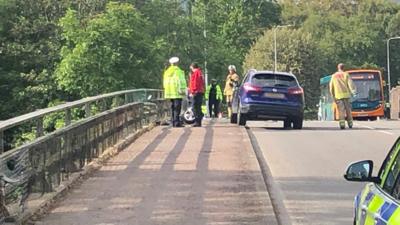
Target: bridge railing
x: 31, y: 170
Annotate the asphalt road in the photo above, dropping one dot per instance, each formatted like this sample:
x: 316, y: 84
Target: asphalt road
x: 307, y: 165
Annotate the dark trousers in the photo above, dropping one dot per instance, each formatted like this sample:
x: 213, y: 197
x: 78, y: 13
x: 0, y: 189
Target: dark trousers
x: 213, y: 107
x: 197, y: 102
x: 176, y: 105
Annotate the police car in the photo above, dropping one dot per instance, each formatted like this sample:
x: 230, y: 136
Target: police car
x: 379, y: 202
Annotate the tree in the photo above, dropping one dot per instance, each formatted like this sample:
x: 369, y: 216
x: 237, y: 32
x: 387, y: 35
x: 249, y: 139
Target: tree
x: 28, y: 51
x: 109, y: 52
x: 352, y: 32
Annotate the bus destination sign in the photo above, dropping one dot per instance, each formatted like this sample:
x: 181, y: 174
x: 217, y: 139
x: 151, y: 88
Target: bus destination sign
x: 363, y: 76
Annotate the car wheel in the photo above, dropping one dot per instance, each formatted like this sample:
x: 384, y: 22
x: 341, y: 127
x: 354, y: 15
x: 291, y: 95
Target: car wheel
x: 188, y: 116
x: 241, y: 119
x: 298, y: 123
x: 287, y: 123
x: 233, y: 118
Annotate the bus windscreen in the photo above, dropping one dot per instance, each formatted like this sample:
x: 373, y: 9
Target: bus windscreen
x: 368, y: 87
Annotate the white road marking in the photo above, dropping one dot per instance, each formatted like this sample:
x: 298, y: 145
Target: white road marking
x: 368, y: 127
x: 374, y: 129
x: 386, y: 132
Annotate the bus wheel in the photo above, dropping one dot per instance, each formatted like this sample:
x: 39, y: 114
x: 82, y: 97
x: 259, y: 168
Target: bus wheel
x: 372, y: 118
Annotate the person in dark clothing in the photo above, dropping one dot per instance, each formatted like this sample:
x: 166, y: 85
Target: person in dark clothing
x: 214, y: 97
x: 196, y: 88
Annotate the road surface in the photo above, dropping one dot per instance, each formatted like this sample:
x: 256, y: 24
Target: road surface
x: 307, y: 165
x: 187, y: 176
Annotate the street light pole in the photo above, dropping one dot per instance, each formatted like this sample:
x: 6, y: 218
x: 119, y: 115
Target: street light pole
x: 388, y: 62
x: 275, y: 52
x: 205, y: 51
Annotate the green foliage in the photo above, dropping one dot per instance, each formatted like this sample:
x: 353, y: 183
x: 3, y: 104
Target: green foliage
x: 28, y: 51
x: 233, y: 28
x: 66, y: 49
x: 351, y: 32
x: 110, y: 52
x: 330, y: 32
x: 62, y: 50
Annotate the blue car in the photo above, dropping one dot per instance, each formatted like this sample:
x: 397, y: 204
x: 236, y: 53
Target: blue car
x: 267, y: 95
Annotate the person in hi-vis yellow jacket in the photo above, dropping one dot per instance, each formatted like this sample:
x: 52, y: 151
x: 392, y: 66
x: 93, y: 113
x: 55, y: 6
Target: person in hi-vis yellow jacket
x: 342, y: 88
x: 175, y: 86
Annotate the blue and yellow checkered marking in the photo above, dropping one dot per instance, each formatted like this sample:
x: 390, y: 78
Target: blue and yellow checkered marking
x: 388, y: 211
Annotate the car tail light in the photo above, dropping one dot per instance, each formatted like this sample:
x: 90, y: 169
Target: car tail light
x: 295, y: 91
x: 249, y: 87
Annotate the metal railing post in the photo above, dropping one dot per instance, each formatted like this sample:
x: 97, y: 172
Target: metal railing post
x: 39, y: 127
x: 67, y: 117
x: 3, y: 209
x: 126, y: 98
x: 1, y: 141
x: 103, y: 105
x: 88, y: 112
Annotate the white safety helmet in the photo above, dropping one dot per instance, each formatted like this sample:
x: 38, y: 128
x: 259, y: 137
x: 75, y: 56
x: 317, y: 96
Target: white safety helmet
x: 174, y: 60
x: 232, y: 67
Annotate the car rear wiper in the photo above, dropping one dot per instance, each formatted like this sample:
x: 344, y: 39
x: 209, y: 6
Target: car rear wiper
x: 281, y: 85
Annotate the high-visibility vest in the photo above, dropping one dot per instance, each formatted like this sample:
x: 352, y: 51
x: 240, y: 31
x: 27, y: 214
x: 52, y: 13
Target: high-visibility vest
x: 341, y: 85
x: 174, y: 83
x: 218, y: 89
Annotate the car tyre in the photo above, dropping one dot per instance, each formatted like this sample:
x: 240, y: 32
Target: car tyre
x: 241, y: 119
x: 233, y: 118
x: 298, y: 123
x: 287, y: 124
x: 188, y: 116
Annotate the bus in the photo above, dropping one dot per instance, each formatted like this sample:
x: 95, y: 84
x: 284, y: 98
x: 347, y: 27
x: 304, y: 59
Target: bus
x: 368, y: 103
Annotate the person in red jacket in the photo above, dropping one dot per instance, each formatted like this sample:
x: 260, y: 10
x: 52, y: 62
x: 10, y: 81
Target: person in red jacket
x: 196, y: 89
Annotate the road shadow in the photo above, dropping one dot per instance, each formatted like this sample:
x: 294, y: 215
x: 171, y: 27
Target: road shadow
x: 151, y: 190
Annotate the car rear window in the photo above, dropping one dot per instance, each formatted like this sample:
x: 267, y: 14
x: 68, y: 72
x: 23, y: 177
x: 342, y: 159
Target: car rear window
x: 273, y: 80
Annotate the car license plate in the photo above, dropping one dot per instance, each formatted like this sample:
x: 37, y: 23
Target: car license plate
x: 274, y: 95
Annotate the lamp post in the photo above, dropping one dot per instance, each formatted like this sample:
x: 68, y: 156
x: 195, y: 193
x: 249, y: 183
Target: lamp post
x: 205, y: 50
x: 388, y: 62
x: 275, y: 52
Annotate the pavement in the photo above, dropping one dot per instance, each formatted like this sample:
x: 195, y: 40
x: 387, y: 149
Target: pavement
x: 195, y: 176
x: 308, y: 165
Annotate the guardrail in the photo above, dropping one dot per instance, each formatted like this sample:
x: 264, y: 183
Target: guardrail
x: 40, y: 166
